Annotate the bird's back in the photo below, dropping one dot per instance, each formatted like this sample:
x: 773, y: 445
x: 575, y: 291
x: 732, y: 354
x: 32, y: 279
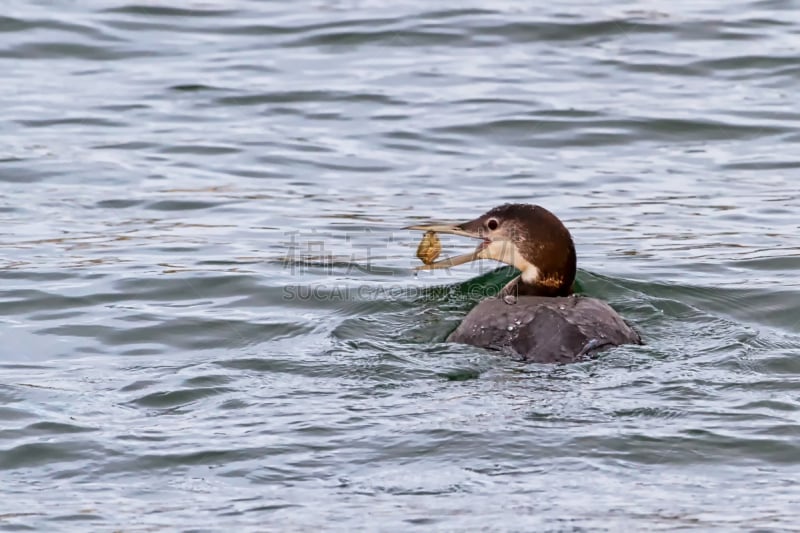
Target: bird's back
x: 545, y: 330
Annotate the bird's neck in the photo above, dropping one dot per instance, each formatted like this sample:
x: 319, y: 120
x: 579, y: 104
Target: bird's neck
x: 551, y: 274
x: 545, y: 286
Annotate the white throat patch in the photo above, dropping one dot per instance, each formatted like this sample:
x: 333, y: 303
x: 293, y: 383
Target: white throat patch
x: 507, y: 252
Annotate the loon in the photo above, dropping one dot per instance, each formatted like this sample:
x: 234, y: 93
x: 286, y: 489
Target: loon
x: 535, y: 317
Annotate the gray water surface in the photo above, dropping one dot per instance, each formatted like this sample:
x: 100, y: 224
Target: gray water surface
x: 208, y: 318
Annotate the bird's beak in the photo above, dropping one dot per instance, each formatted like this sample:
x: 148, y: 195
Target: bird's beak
x: 464, y: 230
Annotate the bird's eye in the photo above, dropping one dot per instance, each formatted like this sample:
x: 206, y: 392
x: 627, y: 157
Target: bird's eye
x: 492, y: 224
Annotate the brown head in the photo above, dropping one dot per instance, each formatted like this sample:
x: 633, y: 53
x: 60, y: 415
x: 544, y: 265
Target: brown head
x: 529, y: 237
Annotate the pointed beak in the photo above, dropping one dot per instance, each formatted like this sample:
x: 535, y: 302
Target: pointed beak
x: 454, y: 229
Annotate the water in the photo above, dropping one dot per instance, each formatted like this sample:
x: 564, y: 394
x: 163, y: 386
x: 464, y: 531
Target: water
x: 208, y: 315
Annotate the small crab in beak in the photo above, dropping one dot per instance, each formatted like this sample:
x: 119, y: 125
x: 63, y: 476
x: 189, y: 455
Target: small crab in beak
x: 498, y: 237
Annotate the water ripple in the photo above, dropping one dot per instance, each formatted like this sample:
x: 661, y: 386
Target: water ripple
x: 207, y: 293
